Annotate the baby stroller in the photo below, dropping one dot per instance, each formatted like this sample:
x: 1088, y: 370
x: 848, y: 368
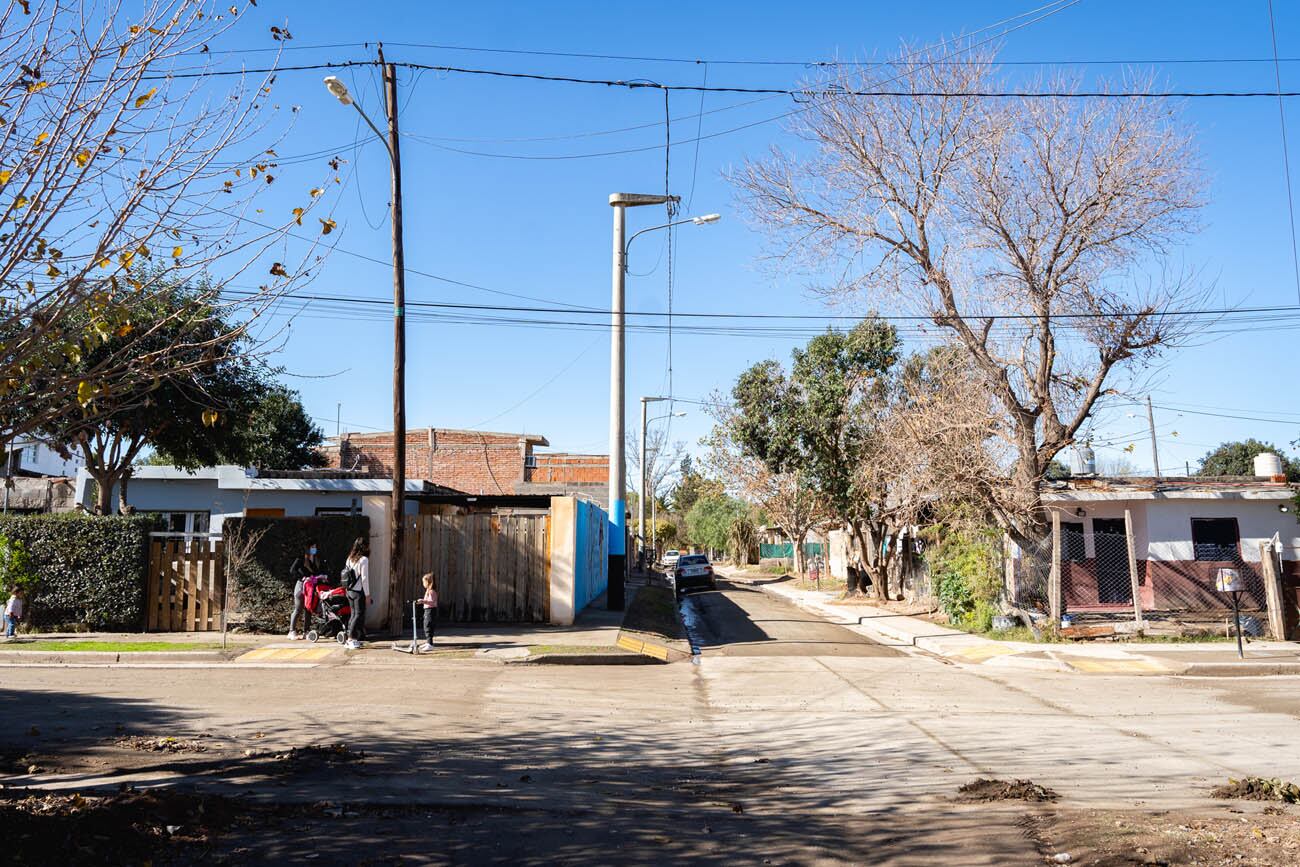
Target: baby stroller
x: 327, y: 607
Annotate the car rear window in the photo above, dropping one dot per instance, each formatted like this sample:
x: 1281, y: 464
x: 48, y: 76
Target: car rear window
x: 693, y: 560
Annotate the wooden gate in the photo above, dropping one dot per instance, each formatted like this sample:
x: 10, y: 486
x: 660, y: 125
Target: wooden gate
x: 187, y: 584
x: 490, y: 568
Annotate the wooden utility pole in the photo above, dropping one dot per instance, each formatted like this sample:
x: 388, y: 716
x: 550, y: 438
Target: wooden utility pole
x: 397, y: 523
x: 1155, y: 452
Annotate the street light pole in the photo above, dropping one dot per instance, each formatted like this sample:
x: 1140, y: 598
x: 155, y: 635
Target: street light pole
x: 645, y: 483
x: 640, y: 519
x: 398, y: 505
x: 617, y: 397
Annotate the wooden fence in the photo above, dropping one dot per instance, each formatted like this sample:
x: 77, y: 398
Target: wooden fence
x: 186, y: 585
x: 489, y: 567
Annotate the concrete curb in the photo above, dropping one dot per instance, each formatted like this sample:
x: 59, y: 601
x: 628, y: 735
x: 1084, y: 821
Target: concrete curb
x: 633, y: 658
x: 100, y: 657
x: 1241, y: 669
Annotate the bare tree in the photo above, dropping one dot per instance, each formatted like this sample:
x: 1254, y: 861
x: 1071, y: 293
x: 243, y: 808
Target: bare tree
x: 663, y: 459
x: 126, y: 167
x: 974, y: 207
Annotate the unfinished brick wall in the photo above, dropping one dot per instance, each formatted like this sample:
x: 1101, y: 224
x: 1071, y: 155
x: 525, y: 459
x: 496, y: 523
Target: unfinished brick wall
x: 562, y: 468
x: 467, y: 461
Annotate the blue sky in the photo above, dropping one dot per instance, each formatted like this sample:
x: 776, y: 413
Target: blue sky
x: 540, y: 227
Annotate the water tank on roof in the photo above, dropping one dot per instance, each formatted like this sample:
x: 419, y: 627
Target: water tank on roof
x: 1268, y: 464
x: 1085, y: 461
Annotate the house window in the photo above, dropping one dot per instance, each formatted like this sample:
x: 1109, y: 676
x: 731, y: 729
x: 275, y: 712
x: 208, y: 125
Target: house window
x: 1215, y: 539
x: 332, y: 511
x: 530, y: 461
x: 187, y: 522
x: 1072, y: 540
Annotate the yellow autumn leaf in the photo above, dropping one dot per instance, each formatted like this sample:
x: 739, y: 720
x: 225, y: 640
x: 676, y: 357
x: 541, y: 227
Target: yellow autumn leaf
x: 52, y: 272
x: 82, y: 158
x: 124, y: 330
x: 209, y: 417
x: 327, y: 226
x: 176, y: 252
x: 104, y: 263
x: 40, y: 139
x: 134, y: 29
x: 20, y: 202
x: 5, y: 176
x: 316, y: 191
x: 143, y: 98
x: 297, y: 215
x: 85, y: 392
x: 127, y: 257
x: 37, y: 86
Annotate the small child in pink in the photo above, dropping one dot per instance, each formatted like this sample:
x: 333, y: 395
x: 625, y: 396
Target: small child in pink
x: 430, y: 610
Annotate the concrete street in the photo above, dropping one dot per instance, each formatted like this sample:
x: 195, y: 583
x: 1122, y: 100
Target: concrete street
x: 790, y: 742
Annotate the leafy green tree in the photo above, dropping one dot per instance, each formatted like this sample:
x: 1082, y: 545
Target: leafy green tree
x: 1056, y: 471
x: 1238, y: 459
x: 278, y: 434
x: 195, y: 415
x: 691, y: 485
x: 708, y: 523
x: 821, y: 420
x: 16, y: 568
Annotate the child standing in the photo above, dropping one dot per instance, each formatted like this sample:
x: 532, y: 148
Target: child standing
x: 430, y: 611
x: 14, y: 612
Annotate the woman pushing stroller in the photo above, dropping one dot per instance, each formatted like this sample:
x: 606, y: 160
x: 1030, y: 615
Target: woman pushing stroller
x: 300, y: 570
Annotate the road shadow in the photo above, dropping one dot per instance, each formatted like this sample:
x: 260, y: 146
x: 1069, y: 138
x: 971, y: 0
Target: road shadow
x: 623, y: 793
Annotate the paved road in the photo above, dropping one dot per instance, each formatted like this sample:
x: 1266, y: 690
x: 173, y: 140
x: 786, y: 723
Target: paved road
x: 742, y: 621
x: 787, y: 759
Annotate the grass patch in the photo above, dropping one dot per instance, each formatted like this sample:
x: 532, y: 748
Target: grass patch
x: 654, y: 611
x: 572, y: 649
x: 108, y: 646
x: 1023, y: 633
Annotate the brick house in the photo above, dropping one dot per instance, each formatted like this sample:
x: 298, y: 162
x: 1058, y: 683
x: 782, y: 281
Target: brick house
x: 474, y: 462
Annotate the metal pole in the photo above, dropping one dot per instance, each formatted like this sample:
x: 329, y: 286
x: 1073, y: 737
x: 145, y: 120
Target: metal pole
x: 640, y: 505
x: 617, y: 394
x: 1236, y: 615
x: 1151, y: 422
x: 338, y: 421
x: 654, y: 528
x: 397, y: 522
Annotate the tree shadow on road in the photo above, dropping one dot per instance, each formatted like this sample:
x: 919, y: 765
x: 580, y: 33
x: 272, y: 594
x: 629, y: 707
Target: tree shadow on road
x: 589, y: 792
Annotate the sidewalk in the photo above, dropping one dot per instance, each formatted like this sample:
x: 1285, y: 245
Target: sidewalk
x: 593, y: 638
x: 1191, y: 659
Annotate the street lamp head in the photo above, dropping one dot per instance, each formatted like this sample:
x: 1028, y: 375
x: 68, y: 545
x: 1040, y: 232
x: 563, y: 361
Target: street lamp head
x: 707, y: 218
x: 678, y: 414
x: 338, y: 89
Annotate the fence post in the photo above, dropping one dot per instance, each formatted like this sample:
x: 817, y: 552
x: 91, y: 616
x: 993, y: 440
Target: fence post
x: 1054, y: 577
x: 1272, y: 592
x: 1133, y: 567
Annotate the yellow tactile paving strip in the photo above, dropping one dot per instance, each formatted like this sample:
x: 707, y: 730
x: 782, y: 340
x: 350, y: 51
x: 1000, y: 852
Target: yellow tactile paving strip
x: 1101, y: 665
x: 287, y: 654
x: 981, y: 652
x: 644, y: 647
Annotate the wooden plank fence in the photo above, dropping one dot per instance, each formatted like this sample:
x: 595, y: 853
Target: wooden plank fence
x: 186, y: 584
x: 490, y: 568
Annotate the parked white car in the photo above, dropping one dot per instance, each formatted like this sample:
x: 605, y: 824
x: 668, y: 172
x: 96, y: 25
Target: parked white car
x: 671, y: 558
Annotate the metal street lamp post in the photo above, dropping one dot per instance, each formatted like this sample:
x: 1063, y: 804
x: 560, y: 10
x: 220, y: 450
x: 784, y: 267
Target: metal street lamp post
x: 620, y: 202
x: 654, y: 525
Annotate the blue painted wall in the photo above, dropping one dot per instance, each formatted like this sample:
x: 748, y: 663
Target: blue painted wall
x: 591, y: 554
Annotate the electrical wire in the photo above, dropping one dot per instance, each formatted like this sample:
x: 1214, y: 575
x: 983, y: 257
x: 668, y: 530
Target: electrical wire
x: 1286, y: 151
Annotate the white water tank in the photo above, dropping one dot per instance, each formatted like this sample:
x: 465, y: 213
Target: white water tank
x: 1268, y: 464
x: 1085, y: 461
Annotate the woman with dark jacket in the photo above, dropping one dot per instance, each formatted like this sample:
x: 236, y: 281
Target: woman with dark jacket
x: 305, y: 566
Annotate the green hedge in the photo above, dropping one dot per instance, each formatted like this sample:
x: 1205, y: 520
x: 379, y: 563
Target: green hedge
x: 91, y: 568
x: 262, y: 585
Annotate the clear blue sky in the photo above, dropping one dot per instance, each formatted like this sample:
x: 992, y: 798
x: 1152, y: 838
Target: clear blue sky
x: 540, y: 227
